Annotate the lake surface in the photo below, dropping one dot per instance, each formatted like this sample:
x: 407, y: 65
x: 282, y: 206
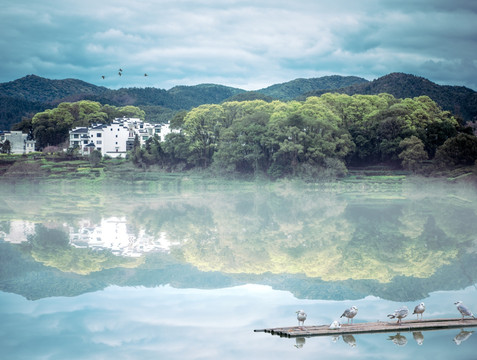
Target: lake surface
x: 187, y: 270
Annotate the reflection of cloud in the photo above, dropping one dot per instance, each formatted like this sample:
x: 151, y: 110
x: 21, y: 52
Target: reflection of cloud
x: 169, y: 323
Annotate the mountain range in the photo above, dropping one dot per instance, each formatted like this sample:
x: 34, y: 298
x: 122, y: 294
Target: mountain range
x: 28, y: 95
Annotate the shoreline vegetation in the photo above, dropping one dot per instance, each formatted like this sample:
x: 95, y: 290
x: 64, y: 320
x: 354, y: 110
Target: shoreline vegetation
x: 53, y: 168
x: 320, y: 139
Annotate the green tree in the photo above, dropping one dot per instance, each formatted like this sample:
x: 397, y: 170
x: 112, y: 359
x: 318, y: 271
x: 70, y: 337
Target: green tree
x: 202, y: 127
x: 6, y: 147
x: 459, y: 150
x: 95, y: 158
x: 412, y: 154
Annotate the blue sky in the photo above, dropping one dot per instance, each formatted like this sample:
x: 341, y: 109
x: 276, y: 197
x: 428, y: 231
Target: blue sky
x: 241, y: 43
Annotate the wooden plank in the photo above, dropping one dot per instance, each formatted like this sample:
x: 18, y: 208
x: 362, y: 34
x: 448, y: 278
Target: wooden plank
x: 372, y: 327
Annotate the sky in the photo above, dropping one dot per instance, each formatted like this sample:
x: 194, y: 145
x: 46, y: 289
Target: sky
x: 248, y: 44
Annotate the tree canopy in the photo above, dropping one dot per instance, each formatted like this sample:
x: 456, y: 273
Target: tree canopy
x: 320, y: 135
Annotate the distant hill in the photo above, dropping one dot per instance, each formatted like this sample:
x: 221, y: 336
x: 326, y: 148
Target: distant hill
x: 295, y: 88
x: 459, y: 100
x: 37, y: 89
x: 31, y: 94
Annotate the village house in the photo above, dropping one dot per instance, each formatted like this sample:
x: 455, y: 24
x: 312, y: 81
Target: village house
x: 19, y: 143
x: 117, y: 138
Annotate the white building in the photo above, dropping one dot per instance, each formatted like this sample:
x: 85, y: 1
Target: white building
x: 18, y: 142
x: 116, y: 139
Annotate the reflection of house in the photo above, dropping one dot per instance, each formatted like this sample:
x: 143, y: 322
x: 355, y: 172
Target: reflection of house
x: 116, y: 139
x: 19, y: 143
x: 18, y: 231
x: 115, y: 234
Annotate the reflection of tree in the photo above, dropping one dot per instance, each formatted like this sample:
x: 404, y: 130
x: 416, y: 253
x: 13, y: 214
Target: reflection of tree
x: 321, y: 236
x: 338, y: 246
x: 51, y: 247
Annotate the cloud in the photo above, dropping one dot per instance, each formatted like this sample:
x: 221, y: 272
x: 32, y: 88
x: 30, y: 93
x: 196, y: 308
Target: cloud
x: 248, y: 44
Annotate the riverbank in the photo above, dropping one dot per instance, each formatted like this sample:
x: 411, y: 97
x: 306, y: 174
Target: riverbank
x: 53, y: 167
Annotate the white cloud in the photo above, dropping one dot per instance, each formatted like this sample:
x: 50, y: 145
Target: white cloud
x: 254, y: 43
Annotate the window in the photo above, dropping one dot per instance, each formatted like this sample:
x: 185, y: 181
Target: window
x: 75, y: 136
x: 99, y: 142
x: 98, y: 135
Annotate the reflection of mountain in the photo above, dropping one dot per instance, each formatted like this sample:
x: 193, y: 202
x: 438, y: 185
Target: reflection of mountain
x: 317, y: 244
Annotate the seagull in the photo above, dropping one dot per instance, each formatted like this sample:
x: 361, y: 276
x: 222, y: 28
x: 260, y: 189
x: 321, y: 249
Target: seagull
x: 335, y: 325
x: 119, y: 73
x: 301, y: 316
x: 103, y: 76
x: 145, y: 74
x: 350, y: 313
x: 463, y: 309
x: 399, y: 314
x: 419, y: 309
x: 120, y: 70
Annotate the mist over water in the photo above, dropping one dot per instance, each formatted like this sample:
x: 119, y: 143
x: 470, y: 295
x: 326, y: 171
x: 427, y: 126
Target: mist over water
x: 247, y: 252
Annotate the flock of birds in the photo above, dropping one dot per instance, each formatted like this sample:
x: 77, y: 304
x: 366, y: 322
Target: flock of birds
x: 398, y: 314
x: 120, y: 73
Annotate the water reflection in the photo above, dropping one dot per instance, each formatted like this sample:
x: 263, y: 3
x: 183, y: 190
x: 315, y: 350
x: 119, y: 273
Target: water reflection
x: 300, y: 342
x: 398, y: 339
x: 350, y: 340
x: 418, y: 336
x: 462, y: 336
x: 329, y: 243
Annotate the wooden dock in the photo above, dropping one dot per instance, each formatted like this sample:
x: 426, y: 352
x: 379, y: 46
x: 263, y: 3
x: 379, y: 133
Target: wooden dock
x: 371, y: 327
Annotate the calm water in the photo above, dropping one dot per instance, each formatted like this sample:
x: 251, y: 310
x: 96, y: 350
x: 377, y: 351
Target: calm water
x: 187, y: 271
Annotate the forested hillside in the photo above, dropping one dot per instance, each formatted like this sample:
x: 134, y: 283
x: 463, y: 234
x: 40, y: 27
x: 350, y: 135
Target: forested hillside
x: 319, y: 137
x: 461, y: 101
x: 30, y: 94
x: 296, y: 88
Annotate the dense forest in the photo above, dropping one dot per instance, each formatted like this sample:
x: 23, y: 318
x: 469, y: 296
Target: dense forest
x: 321, y: 136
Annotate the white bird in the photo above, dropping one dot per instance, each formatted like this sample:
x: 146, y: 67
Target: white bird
x: 399, y: 314
x: 301, y: 317
x: 335, y: 325
x: 350, y: 313
x: 463, y: 309
x: 419, y: 309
